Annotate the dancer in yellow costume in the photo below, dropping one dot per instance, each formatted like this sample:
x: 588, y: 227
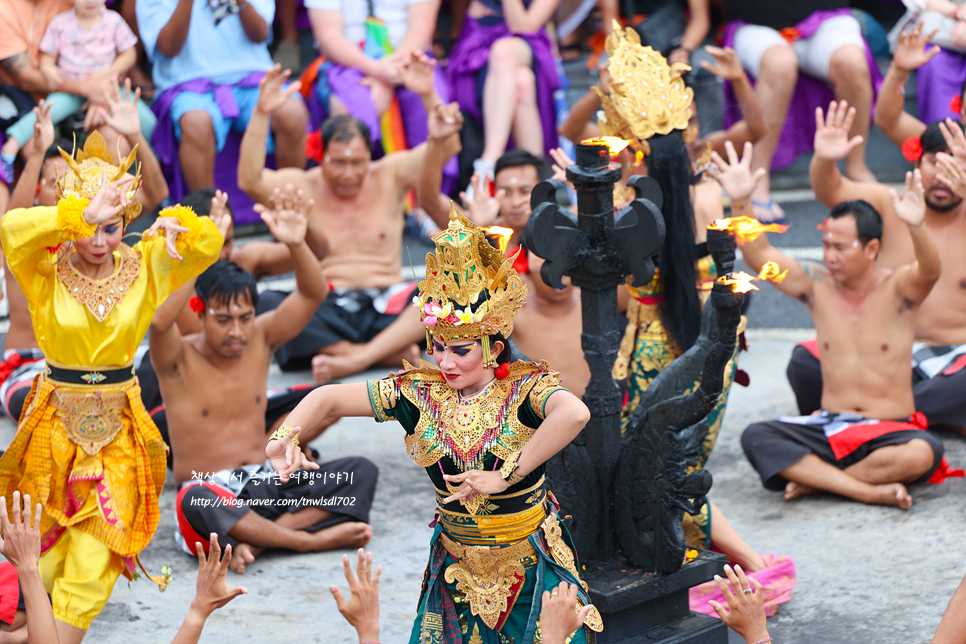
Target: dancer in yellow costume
x: 85, y: 447
x: 484, y: 428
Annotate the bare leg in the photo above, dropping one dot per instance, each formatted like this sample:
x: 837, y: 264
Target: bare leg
x: 255, y: 534
x: 397, y: 338
x: 776, y: 84
x: 288, y: 126
x: 849, y: 74
x: 527, y: 129
x: 68, y: 634
x: 500, y: 93
x: 197, y: 150
x: 728, y: 541
x: 812, y: 472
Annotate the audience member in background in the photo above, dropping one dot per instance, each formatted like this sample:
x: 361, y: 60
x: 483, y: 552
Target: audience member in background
x: 359, y: 205
x: 37, y: 186
x: 827, y: 47
x: 86, y: 44
x: 939, y: 351
x: 209, y: 58
x: 361, y: 75
x: 868, y: 443
x: 502, y: 72
x: 214, y: 383
x: 20, y: 544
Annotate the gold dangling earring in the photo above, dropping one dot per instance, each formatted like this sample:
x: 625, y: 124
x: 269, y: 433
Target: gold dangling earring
x: 488, y: 361
x: 429, y: 342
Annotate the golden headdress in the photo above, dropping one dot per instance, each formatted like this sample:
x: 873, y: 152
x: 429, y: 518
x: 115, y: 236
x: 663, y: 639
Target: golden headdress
x: 647, y: 95
x: 87, y: 170
x: 464, y: 274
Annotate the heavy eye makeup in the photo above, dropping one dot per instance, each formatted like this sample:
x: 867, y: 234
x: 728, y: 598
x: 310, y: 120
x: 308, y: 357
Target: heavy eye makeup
x: 459, y: 351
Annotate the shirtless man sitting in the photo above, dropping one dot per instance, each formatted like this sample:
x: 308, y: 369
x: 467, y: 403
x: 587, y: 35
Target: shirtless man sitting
x: 214, y: 385
x: 864, y: 316
x: 359, y: 206
x: 939, y: 352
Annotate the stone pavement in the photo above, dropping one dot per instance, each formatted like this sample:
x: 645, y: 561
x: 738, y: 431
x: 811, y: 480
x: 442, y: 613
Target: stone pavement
x: 867, y: 574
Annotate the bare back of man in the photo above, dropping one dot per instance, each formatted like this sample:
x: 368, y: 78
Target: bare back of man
x: 213, y: 384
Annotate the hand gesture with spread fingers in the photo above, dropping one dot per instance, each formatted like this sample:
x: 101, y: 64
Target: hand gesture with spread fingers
x: 746, y: 604
x: 559, y: 616
x: 20, y: 543
x: 362, y: 609
x: 43, y: 128
x: 911, y: 50
x: 832, y: 140
x: 953, y: 134
x: 911, y: 207
x: 726, y: 64
x: 951, y: 173
x: 121, y: 112
x: 483, y: 209
x: 109, y: 202
x: 219, y: 214
x: 475, y: 482
x: 736, y: 177
x: 212, y: 590
x: 172, y: 228
x: 272, y: 93
x: 286, y: 457
x: 288, y: 217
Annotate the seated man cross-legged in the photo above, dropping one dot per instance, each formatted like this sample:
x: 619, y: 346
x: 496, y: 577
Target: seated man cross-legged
x: 213, y: 384
x: 864, y: 317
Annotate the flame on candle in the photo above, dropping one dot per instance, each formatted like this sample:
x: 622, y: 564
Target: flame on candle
x: 746, y: 229
x: 638, y: 157
x: 772, y: 272
x: 614, y: 144
x: 739, y: 282
x: 500, y: 235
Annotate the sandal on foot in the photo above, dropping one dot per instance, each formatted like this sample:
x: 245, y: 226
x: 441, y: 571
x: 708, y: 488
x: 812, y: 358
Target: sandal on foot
x: 769, y: 212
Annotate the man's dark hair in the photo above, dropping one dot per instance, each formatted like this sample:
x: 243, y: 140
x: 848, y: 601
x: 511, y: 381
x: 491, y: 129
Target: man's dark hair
x: 868, y: 221
x: 342, y: 129
x: 226, y: 282
x: 517, y: 158
x: 932, y: 140
x: 200, y: 202
x: 53, y: 152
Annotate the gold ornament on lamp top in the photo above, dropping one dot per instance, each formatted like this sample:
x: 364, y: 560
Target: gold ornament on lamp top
x: 647, y: 95
x: 467, y: 272
x: 87, y: 171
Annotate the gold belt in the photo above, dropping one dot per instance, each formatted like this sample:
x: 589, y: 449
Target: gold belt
x: 493, y: 530
x: 91, y: 414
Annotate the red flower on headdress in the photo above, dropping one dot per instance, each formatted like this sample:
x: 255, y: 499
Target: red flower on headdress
x: 314, y: 149
x: 912, y: 149
x: 196, y: 304
x: 956, y: 105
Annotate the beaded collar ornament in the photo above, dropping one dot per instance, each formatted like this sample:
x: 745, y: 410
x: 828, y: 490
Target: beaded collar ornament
x: 464, y: 270
x: 647, y: 95
x: 87, y: 172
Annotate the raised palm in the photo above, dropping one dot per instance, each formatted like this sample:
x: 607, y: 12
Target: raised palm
x: 109, y: 202
x: 736, y: 177
x: 287, y: 219
x: 911, y: 208
x: 911, y: 49
x: 122, y: 109
x: 832, y: 140
x: 43, y: 128
x: 273, y: 94
x: 418, y: 73
x: 726, y: 64
x: 219, y: 213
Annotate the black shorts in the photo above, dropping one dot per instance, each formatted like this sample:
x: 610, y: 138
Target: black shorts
x: 772, y: 447
x: 353, y: 315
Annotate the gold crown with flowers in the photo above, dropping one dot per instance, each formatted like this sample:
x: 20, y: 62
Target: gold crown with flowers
x: 87, y: 171
x: 647, y: 95
x: 465, y: 269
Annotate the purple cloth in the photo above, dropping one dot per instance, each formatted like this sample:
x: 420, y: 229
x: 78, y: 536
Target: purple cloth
x: 472, y: 51
x: 165, y: 143
x: 798, y: 134
x: 937, y: 83
x: 4, y: 179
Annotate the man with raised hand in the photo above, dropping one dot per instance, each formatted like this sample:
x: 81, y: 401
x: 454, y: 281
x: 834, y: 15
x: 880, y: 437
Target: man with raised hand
x: 868, y: 443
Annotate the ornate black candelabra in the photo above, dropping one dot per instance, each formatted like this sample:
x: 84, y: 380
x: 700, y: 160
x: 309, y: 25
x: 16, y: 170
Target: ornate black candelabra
x: 627, y: 495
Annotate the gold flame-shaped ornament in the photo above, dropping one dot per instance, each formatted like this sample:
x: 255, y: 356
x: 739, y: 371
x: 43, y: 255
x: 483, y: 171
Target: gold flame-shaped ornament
x: 647, y: 95
x: 471, y: 290
x: 87, y: 171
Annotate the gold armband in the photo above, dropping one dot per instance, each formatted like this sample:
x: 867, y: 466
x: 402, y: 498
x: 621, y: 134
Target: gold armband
x: 282, y: 432
x: 508, y: 471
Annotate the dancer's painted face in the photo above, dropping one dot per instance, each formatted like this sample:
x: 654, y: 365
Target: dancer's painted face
x: 461, y: 362
x: 100, y: 248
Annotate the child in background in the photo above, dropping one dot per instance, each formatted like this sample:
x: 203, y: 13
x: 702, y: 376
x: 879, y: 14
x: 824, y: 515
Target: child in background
x: 89, y: 44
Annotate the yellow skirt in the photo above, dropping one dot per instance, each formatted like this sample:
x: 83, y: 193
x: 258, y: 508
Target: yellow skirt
x: 95, y: 460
